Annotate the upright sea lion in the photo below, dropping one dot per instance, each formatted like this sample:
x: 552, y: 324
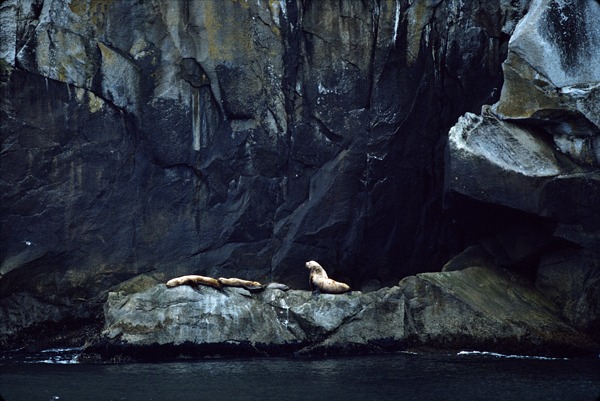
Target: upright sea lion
x: 194, y: 280
x: 319, y: 280
x: 238, y: 282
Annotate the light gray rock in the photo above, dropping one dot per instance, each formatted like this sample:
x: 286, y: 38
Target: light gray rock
x: 477, y: 308
x: 8, y: 33
x: 552, y: 78
x: 537, y: 149
x: 505, y: 146
x: 204, y: 315
x: 560, y: 41
x: 501, y: 162
x: 120, y: 78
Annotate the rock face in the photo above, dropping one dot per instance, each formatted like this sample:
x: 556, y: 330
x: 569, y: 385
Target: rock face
x: 530, y: 161
x: 229, y: 138
x: 243, y: 138
x: 482, y: 308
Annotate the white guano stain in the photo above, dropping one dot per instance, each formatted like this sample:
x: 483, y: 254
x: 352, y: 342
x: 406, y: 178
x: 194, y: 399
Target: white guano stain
x: 396, y: 21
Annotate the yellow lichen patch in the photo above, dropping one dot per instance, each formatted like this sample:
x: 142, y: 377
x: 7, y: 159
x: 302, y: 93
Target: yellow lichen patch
x: 138, y: 49
x: 95, y: 103
x: 42, y: 53
x: 60, y: 55
x: 524, y: 91
x: 276, y: 7
x: 418, y: 15
x: 277, y: 32
x: 98, y: 11
x: 79, y: 7
x: 228, y: 37
x: 61, y: 73
x: 79, y: 94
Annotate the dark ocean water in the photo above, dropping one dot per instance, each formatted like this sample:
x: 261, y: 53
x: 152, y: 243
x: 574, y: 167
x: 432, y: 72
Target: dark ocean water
x: 402, y: 376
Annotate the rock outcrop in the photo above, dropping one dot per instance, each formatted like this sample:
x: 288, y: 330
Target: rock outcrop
x: 475, y: 308
x: 531, y: 161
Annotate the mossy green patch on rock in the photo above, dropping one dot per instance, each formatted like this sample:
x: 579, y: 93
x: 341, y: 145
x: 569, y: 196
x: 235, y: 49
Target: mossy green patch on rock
x: 494, y: 292
x: 487, y: 308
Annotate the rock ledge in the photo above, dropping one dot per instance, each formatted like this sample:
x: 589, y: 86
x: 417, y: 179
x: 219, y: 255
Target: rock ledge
x: 476, y: 308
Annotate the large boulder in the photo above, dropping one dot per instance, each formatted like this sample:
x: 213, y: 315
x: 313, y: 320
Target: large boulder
x: 534, y: 156
x: 551, y: 74
x: 542, y: 138
x: 500, y: 162
x: 487, y: 308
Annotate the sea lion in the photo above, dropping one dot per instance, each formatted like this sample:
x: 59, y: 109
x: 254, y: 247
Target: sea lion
x: 319, y: 280
x: 238, y: 282
x: 194, y: 280
x: 277, y: 286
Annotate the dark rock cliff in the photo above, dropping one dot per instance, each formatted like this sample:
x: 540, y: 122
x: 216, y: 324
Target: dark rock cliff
x: 145, y: 140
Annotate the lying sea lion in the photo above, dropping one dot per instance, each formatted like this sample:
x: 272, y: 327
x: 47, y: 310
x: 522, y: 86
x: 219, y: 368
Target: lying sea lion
x: 238, y: 282
x: 277, y: 286
x: 319, y: 280
x: 194, y: 280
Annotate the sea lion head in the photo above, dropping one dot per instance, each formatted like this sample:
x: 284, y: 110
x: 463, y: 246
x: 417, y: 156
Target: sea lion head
x: 315, y: 269
x: 312, y: 265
